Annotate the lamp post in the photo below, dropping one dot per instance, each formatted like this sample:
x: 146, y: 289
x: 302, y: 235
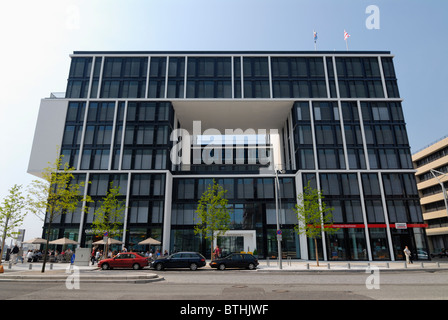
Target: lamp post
x: 441, y: 184
x: 279, y: 234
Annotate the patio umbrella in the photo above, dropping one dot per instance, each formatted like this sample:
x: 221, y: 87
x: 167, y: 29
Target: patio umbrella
x: 109, y: 241
x: 35, y: 241
x: 63, y: 241
x: 150, y: 241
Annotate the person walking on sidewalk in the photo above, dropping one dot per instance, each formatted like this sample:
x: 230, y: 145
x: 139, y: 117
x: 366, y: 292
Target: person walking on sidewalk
x: 407, y: 253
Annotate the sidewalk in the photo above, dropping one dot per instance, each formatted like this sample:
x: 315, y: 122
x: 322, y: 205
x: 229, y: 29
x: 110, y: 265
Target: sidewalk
x: 310, y: 265
x: 265, y: 265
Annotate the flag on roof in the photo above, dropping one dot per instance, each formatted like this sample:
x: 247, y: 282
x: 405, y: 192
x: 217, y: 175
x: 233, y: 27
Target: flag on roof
x: 346, y: 35
x: 315, y: 36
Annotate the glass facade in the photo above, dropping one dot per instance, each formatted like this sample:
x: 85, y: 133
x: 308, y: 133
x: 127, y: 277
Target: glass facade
x: 345, y: 133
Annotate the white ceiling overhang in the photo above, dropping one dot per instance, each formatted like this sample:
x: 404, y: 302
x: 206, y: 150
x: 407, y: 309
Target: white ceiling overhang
x: 232, y: 114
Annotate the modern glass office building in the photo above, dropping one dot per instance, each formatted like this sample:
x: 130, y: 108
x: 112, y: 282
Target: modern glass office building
x: 162, y: 125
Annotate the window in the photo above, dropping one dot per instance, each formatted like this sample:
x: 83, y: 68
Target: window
x: 245, y: 189
x: 370, y: 184
x: 209, y: 77
x: 256, y: 77
x: 124, y: 77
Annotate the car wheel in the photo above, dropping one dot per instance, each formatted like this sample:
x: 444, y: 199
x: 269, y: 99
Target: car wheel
x: 158, y: 267
x: 251, y: 266
x: 222, y: 266
x: 136, y: 266
x: 105, y: 266
x: 193, y: 266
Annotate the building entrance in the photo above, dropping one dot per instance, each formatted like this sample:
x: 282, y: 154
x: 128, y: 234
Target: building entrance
x: 230, y: 244
x: 401, y: 239
x: 236, y: 241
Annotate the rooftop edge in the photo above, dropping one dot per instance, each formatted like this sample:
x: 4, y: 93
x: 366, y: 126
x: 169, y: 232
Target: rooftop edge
x: 231, y: 52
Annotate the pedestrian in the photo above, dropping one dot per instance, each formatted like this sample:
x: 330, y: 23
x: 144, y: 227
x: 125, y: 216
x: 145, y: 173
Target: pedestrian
x: 407, y: 253
x: 29, y: 256
x: 217, y: 252
x: 92, y: 256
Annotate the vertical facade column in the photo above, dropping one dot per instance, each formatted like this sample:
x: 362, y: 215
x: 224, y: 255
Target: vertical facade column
x: 386, y: 218
x: 126, y: 210
x: 166, y: 238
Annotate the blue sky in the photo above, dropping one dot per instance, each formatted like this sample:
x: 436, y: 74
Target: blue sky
x: 38, y: 36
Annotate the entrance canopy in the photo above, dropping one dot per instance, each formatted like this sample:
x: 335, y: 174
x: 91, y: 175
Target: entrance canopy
x: 232, y: 114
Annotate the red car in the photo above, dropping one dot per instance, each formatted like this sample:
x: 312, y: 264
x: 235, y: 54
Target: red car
x: 124, y: 260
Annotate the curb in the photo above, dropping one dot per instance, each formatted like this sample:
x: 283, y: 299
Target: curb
x: 61, y: 276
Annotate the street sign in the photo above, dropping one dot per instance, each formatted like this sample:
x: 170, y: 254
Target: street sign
x: 279, y: 232
x: 279, y: 237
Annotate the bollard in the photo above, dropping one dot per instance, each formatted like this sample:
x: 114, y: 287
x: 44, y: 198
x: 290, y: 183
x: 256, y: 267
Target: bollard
x: 438, y: 264
x: 348, y: 265
x: 307, y: 266
x: 267, y: 260
x: 30, y: 266
x: 9, y: 265
x: 328, y: 266
x: 51, y: 266
x: 405, y: 265
x: 387, y: 265
x: 422, y: 265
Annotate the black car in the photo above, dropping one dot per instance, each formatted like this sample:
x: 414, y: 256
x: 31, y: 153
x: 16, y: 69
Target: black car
x: 235, y: 260
x: 192, y: 260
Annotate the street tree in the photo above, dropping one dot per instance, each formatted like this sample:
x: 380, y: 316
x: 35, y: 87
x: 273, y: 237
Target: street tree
x: 57, y: 193
x: 213, y: 214
x: 108, y: 218
x: 12, y: 213
x: 313, y: 215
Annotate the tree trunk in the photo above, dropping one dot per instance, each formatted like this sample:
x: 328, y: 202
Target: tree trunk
x: 4, y: 238
x: 46, y: 245
x: 316, y: 251
x: 211, y: 248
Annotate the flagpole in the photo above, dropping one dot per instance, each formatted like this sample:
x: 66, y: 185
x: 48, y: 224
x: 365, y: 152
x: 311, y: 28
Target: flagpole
x: 346, y: 36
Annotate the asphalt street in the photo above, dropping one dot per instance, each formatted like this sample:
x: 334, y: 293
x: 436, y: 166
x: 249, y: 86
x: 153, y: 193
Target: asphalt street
x: 263, y: 284
x: 265, y: 293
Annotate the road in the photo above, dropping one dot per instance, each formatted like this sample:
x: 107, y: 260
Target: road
x: 239, y: 285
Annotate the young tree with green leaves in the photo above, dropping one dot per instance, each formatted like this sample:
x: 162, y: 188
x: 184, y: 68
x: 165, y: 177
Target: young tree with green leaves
x: 213, y: 214
x: 11, y: 213
x: 314, y: 217
x: 54, y: 195
x: 108, y: 219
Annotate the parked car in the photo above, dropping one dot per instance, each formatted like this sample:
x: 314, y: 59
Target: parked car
x: 235, y: 260
x: 440, y: 253
x: 422, y: 255
x: 124, y: 260
x: 192, y: 260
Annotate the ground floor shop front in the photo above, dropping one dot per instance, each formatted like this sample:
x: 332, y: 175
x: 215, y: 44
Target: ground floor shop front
x: 348, y: 243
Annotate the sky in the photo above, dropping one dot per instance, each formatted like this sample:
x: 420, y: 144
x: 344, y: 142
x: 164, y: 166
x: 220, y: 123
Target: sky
x: 38, y: 37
